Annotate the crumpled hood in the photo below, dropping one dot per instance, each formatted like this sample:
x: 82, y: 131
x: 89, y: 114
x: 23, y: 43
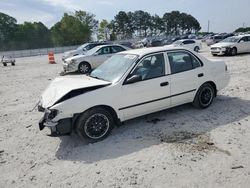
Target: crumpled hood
x: 221, y: 44
x: 61, y: 86
x: 77, y: 57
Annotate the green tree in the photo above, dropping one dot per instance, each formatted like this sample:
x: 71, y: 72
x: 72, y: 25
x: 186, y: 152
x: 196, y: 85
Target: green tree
x: 103, y: 30
x: 73, y: 29
x: 8, y: 27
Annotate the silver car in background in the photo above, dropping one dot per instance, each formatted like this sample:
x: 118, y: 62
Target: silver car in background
x: 92, y: 58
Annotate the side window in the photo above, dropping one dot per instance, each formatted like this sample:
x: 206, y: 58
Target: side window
x: 151, y: 67
x: 116, y: 49
x: 195, y: 62
x: 243, y: 39
x: 182, y: 61
x: 191, y: 42
x: 185, y: 42
x: 104, y: 50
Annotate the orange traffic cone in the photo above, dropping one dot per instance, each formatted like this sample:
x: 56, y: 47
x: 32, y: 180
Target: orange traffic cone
x: 51, y: 58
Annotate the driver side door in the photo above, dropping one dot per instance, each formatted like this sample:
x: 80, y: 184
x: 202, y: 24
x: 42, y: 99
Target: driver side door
x: 151, y: 93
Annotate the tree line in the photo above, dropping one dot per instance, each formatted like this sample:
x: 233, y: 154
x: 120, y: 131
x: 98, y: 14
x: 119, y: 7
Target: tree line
x: 80, y: 26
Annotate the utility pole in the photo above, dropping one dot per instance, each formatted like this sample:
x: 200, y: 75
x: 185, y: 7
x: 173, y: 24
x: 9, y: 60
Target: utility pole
x: 208, y: 26
x: 243, y: 24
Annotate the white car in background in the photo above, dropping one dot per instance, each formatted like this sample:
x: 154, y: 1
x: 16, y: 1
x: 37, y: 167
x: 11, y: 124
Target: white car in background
x: 81, y: 49
x: 92, y: 58
x: 188, y: 43
x: 130, y: 84
x: 232, y: 46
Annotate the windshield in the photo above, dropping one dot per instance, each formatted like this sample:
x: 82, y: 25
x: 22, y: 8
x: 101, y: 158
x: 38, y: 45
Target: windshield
x: 177, y: 42
x: 114, y: 68
x: 231, y: 39
x: 82, y: 46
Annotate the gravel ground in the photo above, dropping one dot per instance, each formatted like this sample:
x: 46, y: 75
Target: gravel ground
x: 180, y: 147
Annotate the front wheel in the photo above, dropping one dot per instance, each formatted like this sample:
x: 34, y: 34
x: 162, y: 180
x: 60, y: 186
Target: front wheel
x: 84, y: 68
x: 204, y: 97
x: 95, y: 124
x: 196, y: 49
x: 233, y: 52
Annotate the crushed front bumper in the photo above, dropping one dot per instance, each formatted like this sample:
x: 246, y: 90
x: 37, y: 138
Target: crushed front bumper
x: 59, y: 128
x: 69, y: 67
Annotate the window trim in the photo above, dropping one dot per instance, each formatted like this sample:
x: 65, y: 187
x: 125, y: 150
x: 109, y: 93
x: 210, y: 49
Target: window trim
x: 190, y: 54
x: 164, y: 52
x: 140, y: 60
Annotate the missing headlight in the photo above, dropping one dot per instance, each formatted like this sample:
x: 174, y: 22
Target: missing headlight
x: 53, y: 113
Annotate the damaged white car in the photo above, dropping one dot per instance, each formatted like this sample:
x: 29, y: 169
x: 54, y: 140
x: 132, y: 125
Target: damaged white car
x: 92, y: 58
x: 130, y: 84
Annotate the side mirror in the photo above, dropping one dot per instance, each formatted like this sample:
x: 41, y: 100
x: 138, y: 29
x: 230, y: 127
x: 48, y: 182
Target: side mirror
x: 95, y: 54
x: 133, y: 79
x: 241, y: 41
x: 181, y: 44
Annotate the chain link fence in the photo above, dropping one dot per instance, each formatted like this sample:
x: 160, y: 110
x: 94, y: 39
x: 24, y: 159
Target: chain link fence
x: 36, y: 52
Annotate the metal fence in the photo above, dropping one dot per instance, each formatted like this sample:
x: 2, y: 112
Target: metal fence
x: 36, y: 52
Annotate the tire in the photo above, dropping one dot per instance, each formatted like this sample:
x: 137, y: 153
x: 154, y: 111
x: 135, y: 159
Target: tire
x: 13, y: 63
x: 196, y: 49
x: 5, y: 64
x: 95, y: 125
x: 84, y: 68
x: 204, y: 97
x: 233, y: 51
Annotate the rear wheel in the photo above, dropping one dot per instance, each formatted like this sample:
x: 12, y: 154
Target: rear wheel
x: 95, y: 124
x: 204, y: 97
x: 5, y: 64
x: 84, y: 68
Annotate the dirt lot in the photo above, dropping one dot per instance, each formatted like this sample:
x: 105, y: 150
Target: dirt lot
x: 180, y: 147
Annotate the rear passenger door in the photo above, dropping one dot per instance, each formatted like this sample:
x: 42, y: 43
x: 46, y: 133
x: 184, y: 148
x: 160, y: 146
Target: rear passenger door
x: 186, y: 76
x: 189, y: 44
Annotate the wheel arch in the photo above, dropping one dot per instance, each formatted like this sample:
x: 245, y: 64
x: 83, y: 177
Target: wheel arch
x: 106, y: 107
x: 85, y: 61
x: 213, y: 85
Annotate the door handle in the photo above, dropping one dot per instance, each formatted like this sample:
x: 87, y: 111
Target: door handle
x: 200, y: 75
x: 164, y: 84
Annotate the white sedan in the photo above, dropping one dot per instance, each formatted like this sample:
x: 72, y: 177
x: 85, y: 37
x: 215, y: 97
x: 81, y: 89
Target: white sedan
x: 232, y: 46
x: 130, y: 84
x: 188, y: 43
x: 92, y: 58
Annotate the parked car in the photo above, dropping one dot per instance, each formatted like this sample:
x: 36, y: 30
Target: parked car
x: 130, y: 84
x: 92, y: 58
x: 154, y: 43
x: 82, y: 49
x: 188, y: 43
x: 138, y: 44
x: 232, y: 46
x: 5, y: 60
x: 214, y: 39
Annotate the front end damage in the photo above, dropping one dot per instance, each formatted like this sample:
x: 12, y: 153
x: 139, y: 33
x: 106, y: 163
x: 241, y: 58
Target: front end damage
x: 56, y: 115
x: 58, y: 128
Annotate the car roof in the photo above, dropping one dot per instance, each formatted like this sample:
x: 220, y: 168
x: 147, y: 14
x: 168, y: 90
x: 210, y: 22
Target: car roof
x: 144, y: 51
x: 100, y: 46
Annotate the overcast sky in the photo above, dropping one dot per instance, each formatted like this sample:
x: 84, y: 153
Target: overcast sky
x: 224, y: 15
